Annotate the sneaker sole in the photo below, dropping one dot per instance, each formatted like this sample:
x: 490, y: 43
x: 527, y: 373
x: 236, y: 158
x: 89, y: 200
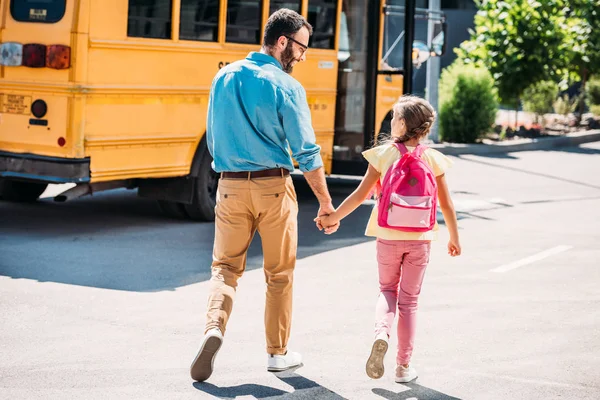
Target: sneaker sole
x: 375, y: 368
x: 406, y: 380
x: 202, y: 367
x: 275, y: 369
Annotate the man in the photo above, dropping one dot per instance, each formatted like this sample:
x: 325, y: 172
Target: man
x: 256, y: 112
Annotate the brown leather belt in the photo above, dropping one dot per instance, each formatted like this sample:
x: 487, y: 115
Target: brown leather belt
x: 267, y: 173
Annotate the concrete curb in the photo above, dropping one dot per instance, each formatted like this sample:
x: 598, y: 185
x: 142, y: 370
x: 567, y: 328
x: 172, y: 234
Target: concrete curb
x: 544, y: 143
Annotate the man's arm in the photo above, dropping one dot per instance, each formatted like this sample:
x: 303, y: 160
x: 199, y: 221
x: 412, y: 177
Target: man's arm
x: 318, y: 184
x: 301, y: 138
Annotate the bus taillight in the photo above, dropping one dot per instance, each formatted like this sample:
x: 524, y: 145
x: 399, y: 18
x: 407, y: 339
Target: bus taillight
x: 34, y: 55
x: 58, y: 57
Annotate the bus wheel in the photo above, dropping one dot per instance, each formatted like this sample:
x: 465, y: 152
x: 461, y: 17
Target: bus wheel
x: 205, y: 193
x: 21, y: 191
x: 172, y: 209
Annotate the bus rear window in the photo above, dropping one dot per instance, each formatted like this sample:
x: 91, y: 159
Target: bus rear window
x: 48, y: 11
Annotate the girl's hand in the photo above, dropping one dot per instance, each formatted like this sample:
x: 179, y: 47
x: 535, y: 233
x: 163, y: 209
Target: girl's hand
x: 454, y: 248
x: 327, y: 221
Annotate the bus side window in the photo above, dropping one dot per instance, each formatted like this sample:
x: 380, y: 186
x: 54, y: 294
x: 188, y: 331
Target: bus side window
x: 293, y: 5
x: 149, y: 19
x: 321, y: 15
x: 199, y: 20
x: 243, y: 21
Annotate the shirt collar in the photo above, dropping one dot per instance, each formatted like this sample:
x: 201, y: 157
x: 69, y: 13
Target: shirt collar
x: 264, y: 58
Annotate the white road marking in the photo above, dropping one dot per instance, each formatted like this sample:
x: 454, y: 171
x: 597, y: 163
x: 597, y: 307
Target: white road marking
x: 532, y: 259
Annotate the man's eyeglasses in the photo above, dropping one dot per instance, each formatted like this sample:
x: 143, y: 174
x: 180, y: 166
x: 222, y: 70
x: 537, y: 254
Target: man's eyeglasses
x: 304, y: 47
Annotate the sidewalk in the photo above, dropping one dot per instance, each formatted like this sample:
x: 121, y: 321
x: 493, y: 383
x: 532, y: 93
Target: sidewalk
x: 509, y: 146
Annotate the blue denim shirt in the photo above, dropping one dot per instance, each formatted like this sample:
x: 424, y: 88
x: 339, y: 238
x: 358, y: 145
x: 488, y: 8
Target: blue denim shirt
x: 256, y: 112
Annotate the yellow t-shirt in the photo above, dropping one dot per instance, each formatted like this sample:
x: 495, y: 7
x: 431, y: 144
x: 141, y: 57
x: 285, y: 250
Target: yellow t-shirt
x: 382, y: 158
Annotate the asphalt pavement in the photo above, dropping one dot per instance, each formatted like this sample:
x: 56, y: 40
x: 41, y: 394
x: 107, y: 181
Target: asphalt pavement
x: 103, y: 297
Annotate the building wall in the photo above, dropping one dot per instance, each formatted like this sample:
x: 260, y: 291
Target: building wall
x: 459, y: 22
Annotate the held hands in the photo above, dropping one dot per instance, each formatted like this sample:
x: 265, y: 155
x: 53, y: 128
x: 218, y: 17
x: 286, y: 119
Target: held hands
x: 329, y: 222
x: 454, y: 247
x: 325, y: 220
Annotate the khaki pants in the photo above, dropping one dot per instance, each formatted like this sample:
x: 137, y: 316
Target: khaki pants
x: 269, y: 206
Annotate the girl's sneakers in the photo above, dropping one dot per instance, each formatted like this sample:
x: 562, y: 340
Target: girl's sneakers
x: 405, y: 374
x: 375, y: 367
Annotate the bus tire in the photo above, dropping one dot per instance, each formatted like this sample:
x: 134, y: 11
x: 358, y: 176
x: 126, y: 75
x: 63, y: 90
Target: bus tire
x: 205, y: 188
x: 172, y: 209
x: 19, y: 191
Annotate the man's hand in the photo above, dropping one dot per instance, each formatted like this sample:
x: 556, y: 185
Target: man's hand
x: 326, y: 209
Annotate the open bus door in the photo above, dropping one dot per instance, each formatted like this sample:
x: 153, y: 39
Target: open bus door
x: 372, y: 71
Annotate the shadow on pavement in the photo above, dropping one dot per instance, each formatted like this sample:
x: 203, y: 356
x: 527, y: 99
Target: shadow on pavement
x: 304, y: 388
x: 415, y: 391
x: 576, y: 150
x: 231, y: 392
x: 116, y: 240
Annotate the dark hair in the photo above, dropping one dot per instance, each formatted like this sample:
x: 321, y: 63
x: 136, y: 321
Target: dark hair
x: 418, y: 115
x: 284, y: 22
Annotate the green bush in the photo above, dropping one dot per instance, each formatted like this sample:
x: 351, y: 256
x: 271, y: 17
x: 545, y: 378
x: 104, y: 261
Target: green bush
x: 592, y: 90
x: 468, y: 103
x: 564, y: 106
x: 539, y: 98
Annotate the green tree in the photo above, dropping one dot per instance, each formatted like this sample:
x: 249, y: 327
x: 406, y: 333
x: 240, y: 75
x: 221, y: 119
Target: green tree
x: 521, y: 42
x: 583, y: 42
x: 583, y: 38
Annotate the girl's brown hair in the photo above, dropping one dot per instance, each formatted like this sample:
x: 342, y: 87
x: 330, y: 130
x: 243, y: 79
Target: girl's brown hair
x: 418, y: 115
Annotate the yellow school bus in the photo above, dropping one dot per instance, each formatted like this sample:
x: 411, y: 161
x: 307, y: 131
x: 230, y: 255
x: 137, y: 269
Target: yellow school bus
x: 113, y: 93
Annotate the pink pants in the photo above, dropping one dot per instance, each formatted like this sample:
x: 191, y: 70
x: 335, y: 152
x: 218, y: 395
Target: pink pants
x: 402, y: 265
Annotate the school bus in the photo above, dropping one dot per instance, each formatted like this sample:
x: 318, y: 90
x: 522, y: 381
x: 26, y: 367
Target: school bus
x: 109, y: 94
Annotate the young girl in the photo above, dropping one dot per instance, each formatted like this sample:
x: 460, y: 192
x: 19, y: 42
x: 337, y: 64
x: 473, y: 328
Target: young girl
x: 402, y: 256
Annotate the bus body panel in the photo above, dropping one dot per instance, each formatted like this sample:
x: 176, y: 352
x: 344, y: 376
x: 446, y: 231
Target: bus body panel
x: 20, y: 131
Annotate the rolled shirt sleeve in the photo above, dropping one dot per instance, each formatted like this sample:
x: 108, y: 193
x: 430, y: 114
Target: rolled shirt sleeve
x: 299, y: 132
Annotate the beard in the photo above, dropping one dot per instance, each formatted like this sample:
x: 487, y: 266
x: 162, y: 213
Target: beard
x: 287, y: 58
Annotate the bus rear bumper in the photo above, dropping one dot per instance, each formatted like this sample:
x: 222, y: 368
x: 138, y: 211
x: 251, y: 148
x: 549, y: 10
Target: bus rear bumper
x: 44, y: 169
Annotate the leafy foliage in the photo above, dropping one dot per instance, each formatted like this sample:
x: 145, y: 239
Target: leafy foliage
x: 583, y: 37
x: 564, y: 106
x: 468, y: 103
x: 593, y: 92
x: 539, y: 98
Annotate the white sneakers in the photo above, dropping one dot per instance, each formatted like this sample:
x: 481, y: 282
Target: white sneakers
x: 375, y: 367
x: 405, y: 374
x: 278, y: 363
x: 202, y: 367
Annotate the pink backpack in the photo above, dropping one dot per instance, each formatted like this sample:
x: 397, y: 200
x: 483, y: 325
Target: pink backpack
x: 408, y: 200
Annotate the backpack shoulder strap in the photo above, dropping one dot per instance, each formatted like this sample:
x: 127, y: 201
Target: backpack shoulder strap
x: 419, y: 150
x: 401, y: 148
